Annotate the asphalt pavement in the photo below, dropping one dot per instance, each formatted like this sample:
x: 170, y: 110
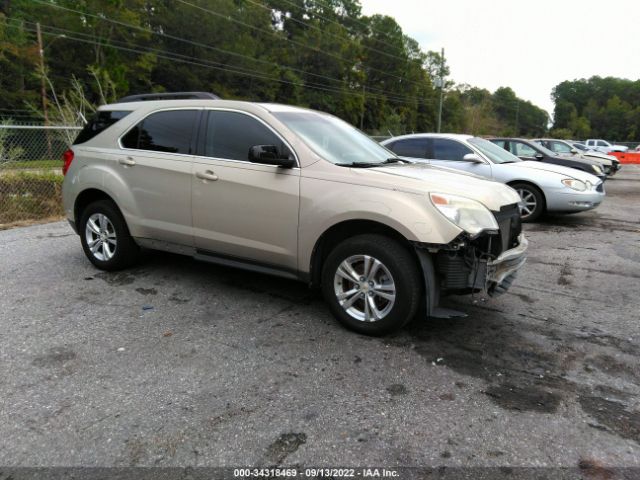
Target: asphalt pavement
x: 176, y: 363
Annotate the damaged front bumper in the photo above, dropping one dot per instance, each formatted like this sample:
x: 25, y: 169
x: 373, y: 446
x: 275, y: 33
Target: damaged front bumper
x: 467, y: 268
x: 503, y: 270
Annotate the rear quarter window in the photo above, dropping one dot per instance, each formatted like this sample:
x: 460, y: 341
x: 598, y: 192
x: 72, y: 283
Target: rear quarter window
x: 99, y: 123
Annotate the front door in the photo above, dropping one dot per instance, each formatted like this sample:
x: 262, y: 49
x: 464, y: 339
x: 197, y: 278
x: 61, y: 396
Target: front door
x: 242, y: 210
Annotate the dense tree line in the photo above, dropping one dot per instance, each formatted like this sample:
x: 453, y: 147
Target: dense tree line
x: 599, y: 108
x: 323, y: 54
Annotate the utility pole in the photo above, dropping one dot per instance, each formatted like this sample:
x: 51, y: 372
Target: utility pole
x: 441, y: 81
x: 364, y: 98
x: 43, y: 86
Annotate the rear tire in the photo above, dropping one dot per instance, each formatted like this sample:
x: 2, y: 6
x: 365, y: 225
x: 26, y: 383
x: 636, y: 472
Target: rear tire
x: 533, y: 200
x: 105, y: 237
x: 372, y: 284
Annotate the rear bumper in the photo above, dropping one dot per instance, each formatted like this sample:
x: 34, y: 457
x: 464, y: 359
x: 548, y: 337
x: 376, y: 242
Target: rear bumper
x: 502, y: 271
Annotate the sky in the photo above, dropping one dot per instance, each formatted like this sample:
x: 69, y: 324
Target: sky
x: 528, y: 46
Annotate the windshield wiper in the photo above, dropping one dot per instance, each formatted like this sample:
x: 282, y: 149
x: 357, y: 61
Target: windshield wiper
x: 373, y: 164
x: 397, y: 160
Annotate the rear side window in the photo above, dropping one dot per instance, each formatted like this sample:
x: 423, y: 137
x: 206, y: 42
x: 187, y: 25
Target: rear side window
x: 230, y: 135
x: 449, y: 150
x: 99, y: 123
x: 411, y: 147
x: 169, y: 131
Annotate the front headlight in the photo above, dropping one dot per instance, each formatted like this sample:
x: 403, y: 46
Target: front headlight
x: 469, y: 215
x: 597, y: 169
x: 574, y: 184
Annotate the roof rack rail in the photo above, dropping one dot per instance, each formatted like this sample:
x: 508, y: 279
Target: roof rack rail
x: 145, y: 97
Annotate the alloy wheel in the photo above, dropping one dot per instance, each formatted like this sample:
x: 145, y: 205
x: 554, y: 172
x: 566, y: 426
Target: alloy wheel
x: 364, y: 288
x: 100, y: 235
x: 529, y: 202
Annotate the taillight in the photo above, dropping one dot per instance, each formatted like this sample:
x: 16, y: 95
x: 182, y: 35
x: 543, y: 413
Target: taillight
x: 68, y: 158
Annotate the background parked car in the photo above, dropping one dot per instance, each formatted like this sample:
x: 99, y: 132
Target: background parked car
x: 610, y: 163
x: 541, y: 186
x: 530, y: 150
x: 604, y: 146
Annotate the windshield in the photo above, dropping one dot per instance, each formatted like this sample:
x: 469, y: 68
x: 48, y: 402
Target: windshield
x: 580, y: 146
x: 495, y: 153
x: 545, y: 150
x: 335, y: 140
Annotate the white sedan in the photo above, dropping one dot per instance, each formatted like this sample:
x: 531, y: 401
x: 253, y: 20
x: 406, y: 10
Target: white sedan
x: 543, y: 187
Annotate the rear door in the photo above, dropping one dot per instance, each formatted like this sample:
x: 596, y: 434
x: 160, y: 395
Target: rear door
x: 243, y: 210
x: 155, y: 162
x: 450, y: 153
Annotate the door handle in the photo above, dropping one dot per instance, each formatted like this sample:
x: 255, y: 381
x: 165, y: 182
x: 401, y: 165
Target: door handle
x: 207, y: 175
x: 127, y: 161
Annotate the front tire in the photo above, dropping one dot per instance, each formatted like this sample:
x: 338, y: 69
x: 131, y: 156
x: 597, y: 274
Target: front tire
x: 372, y: 284
x: 532, y: 199
x: 105, y: 237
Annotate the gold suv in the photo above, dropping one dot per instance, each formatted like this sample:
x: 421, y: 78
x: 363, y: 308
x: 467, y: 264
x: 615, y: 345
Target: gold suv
x: 290, y: 192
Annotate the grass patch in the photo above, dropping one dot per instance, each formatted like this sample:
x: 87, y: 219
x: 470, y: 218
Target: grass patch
x: 28, y: 196
x: 34, y: 164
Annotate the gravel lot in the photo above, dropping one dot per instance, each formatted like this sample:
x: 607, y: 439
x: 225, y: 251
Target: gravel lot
x: 177, y: 363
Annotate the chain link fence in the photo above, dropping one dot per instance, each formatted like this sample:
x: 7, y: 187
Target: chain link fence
x: 31, y: 171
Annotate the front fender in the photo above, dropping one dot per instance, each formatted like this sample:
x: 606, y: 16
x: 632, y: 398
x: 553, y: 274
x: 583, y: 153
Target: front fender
x: 324, y: 204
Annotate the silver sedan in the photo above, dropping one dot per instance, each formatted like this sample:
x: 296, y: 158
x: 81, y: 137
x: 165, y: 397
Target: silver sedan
x: 543, y: 187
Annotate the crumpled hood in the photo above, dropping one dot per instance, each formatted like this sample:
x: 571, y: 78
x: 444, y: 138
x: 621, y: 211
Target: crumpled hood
x: 559, y: 169
x: 423, y: 178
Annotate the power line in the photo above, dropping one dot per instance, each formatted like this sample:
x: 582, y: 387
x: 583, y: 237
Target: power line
x: 314, y: 27
x: 364, y: 24
x: 117, y: 22
x: 187, y: 60
x: 295, y: 42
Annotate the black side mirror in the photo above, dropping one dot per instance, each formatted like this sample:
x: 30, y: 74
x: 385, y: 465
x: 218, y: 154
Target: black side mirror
x: 270, y: 155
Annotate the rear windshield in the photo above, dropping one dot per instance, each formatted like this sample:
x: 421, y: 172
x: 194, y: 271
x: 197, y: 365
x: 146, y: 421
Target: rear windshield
x: 99, y: 123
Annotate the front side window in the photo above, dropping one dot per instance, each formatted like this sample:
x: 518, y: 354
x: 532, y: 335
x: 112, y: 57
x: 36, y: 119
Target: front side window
x: 500, y: 143
x: 411, y: 147
x: 602, y: 143
x: 444, y: 149
x: 230, y: 135
x: 99, y: 123
x: 522, y: 150
x: 169, y: 131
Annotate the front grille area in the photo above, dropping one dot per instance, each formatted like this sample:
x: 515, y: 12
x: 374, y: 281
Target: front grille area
x: 510, y: 224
